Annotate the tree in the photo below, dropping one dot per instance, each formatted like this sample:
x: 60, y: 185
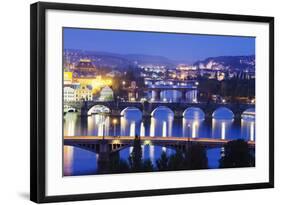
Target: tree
x: 117, y: 165
x: 147, y: 166
x: 196, y: 157
x: 176, y: 161
x: 135, y: 158
x: 237, y: 154
x: 162, y: 163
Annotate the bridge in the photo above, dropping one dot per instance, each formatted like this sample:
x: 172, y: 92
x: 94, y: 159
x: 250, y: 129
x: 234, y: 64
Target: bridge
x: 157, y: 89
x: 116, y: 107
x: 106, y: 145
x: 109, y: 144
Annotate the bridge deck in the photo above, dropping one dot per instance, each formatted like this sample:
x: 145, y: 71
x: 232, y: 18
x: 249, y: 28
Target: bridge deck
x: 126, y: 139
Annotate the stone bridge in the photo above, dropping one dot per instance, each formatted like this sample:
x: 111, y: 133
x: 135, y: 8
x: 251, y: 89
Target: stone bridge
x: 116, y: 107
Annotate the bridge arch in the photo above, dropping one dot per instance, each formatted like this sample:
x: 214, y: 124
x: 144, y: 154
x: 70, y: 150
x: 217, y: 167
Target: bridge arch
x: 223, y: 113
x: 249, y: 114
x: 194, y: 113
x: 68, y: 108
x: 158, y: 111
x: 128, y: 111
x: 98, y: 109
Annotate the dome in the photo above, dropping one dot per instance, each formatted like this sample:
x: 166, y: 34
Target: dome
x: 223, y: 113
x: 106, y: 89
x: 194, y: 113
x: 162, y: 112
x: 250, y: 113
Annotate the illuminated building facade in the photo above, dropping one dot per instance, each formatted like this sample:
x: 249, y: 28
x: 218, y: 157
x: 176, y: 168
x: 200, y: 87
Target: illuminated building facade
x: 83, y: 93
x: 68, y: 94
x: 67, y: 77
x: 106, y: 94
x: 85, y: 68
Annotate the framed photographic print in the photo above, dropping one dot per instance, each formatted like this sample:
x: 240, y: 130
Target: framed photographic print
x: 129, y: 102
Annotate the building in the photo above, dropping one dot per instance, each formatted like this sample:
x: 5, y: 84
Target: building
x: 95, y: 82
x: 106, y: 94
x: 85, y: 68
x: 83, y: 93
x: 68, y: 94
x: 113, y: 74
x: 67, y: 78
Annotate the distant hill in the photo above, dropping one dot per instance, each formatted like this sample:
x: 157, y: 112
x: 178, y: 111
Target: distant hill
x: 121, y: 61
x: 229, y: 62
x: 124, y: 62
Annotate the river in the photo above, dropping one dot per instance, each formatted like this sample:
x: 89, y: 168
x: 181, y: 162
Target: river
x: 162, y: 123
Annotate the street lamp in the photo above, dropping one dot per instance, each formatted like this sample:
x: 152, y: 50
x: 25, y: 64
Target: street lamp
x: 123, y: 83
x: 114, y: 121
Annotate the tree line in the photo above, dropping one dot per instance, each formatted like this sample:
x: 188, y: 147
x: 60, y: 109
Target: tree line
x: 237, y: 153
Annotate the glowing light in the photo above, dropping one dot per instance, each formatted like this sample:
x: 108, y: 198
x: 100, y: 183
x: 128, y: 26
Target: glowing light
x: 132, y: 129
x: 223, y: 130
x: 114, y: 121
x: 116, y: 141
x: 68, y: 159
x: 252, y: 131
x: 142, y: 130
x: 151, y: 152
x: 67, y: 76
x: 147, y: 142
x: 164, y: 129
x: 152, y: 127
x: 194, y: 129
x: 100, y: 129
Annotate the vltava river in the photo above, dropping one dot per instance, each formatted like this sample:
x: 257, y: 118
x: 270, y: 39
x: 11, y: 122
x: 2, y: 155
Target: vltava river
x: 162, y: 123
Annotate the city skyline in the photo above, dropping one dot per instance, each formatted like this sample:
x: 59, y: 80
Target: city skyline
x: 174, y: 46
x: 142, y: 113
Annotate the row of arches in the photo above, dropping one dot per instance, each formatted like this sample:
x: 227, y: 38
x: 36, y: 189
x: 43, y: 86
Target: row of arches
x: 189, y: 113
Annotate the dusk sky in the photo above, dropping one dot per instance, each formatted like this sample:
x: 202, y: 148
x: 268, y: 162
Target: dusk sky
x: 185, y: 47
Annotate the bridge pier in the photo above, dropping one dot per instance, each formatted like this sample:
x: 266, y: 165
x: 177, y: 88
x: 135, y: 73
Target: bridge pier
x: 103, y: 159
x: 156, y: 95
x: 84, y: 109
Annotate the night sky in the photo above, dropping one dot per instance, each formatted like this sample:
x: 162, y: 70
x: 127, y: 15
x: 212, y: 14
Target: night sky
x: 185, y: 47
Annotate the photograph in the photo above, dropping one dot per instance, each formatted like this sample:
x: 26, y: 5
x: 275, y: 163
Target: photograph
x: 147, y: 101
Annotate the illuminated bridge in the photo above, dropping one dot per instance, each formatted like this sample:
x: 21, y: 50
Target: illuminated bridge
x: 109, y: 144
x: 116, y: 107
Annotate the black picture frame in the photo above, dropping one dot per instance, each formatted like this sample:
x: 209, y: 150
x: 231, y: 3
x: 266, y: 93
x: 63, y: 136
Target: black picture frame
x: 38, y: 101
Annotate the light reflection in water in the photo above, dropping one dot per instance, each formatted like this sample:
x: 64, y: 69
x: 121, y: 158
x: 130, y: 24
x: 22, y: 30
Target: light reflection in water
x: 164, y: 129
x: 68, y: 159
x: 152, y: 127
x: 222, y: 128
x: 191, y: 128
x: 132, y: 129
x: 142, y: 130
x: 160, y: 124
x: 70, y: 120
x: 248, y: 129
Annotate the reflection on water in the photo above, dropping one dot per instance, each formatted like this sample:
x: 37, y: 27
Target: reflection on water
x: 248, y: 129
x: 222, y: 128
x: 79, y: 161
x: 162, y: 123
